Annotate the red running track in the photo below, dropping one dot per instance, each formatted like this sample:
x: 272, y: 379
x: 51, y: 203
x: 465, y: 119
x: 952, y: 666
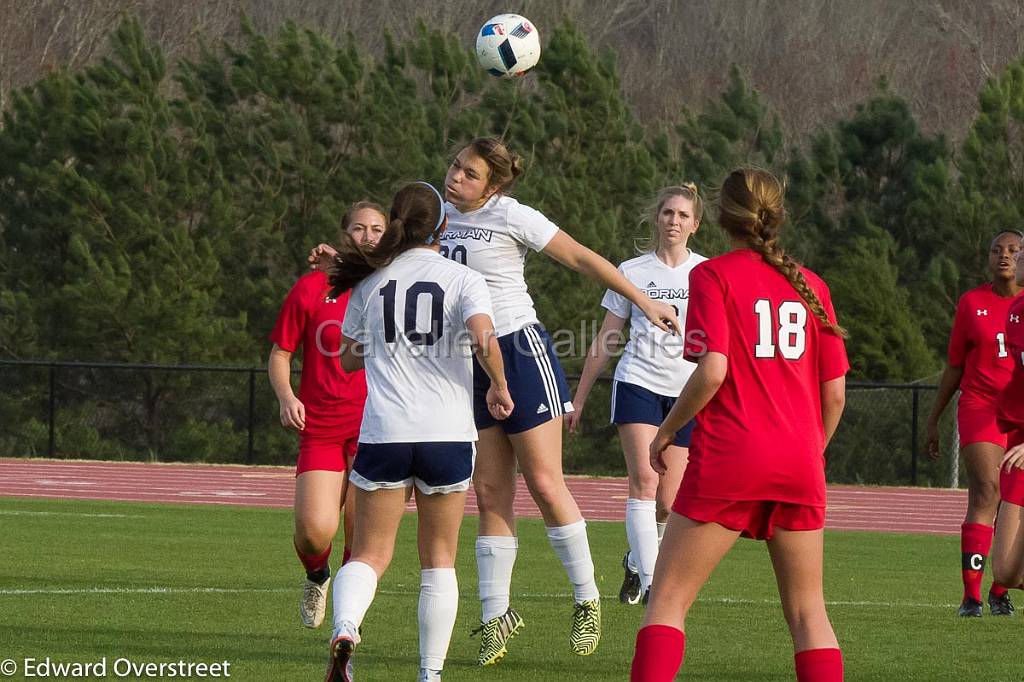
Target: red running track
x: 897, y: 510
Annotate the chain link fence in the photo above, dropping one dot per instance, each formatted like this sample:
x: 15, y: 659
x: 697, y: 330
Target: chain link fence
x: 229, y: 414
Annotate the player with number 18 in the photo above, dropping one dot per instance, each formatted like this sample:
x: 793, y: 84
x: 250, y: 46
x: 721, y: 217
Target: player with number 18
x: 767, y: 393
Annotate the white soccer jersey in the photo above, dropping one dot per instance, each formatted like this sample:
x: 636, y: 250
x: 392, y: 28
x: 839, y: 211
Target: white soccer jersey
x: 654, y: 358
x: 493, y: 241
x: 411, y: 319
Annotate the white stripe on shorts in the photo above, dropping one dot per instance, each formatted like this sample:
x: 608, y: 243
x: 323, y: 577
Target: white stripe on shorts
x: 615, y: 390
x: 544, y: 366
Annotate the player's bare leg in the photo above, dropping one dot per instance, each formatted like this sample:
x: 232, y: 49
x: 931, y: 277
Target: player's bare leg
x: 494, y: 481
x: 689, y: 554
x: 376, y: 526
x: 1008, y: 546
x: 439, y: 517
x: 982, y: 464
x: 317, y: 502
x: 648, y: 492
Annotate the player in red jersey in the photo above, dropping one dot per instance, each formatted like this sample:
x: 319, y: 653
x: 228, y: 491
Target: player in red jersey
x: 1008, y: 545
x: 767, y: 393
x: 980, y: 365
x: 327, y: 412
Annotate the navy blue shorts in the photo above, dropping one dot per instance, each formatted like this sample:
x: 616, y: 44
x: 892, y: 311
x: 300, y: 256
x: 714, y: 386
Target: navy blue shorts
x: 431, y: 467
x: 535, y: 381
x: 632, y: 404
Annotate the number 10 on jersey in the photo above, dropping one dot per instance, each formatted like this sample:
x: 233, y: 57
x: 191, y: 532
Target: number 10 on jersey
x: 790, y: 338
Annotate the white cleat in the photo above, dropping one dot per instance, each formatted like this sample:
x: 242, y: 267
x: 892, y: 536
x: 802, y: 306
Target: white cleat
x: 428, y: 675
x: 313, y: 605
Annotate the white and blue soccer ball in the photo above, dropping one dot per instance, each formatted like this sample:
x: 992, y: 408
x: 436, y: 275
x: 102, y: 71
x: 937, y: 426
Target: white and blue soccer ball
x: 508, y: 45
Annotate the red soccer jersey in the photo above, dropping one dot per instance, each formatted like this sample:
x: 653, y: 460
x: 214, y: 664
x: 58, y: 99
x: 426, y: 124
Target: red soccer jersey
x: 761, y: 436
x: 309, y: 318
x: 978, y: 344
x: 1010, y: 412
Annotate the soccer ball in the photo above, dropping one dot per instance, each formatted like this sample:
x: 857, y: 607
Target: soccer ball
x: 508, y: 45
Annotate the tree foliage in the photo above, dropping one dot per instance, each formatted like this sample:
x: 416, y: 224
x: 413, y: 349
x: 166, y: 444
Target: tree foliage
x: 158, y: 212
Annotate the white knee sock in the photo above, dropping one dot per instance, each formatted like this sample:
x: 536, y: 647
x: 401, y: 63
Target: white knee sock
x: 661, y: 531
x: 571, y: 545
x: 352, y: 593
x: 642, y: 533
x: 439, y: 603
x: 495, y: 557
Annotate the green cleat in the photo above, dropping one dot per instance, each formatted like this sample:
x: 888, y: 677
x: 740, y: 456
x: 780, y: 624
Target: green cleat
x: 495, y: 635
x: 586, y: 627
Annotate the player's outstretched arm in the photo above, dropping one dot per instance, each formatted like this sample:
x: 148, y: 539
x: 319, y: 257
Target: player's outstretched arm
x: 608, y: 340
x: 279, y: 369
x: 948, y: 385
x: 833, y: 402
x: 575, y: 256
x: 488, y: 354
x: 701, y: 387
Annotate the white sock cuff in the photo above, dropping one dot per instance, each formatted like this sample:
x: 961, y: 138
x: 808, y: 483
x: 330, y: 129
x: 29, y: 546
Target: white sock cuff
x: 563, y: 533
x: 633, y: 504
x: 442, y: 579
x: 364, y: 571
x: 497, y: 542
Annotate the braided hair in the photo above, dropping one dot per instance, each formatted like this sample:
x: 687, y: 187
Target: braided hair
x: 751, y: 210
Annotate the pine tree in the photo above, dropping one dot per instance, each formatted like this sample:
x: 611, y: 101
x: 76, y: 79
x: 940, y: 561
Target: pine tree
x: 98, y: 195
x: 870, y: 187
x: 990, y: 194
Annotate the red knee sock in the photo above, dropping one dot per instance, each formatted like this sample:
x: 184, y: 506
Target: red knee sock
x: 975, y: 542
x: 819, y: 665
x: 315, y: 563
x: 659, y: 653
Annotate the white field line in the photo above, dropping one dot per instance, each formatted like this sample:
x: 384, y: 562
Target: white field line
x: 14, y: 512
x: 405, y: 592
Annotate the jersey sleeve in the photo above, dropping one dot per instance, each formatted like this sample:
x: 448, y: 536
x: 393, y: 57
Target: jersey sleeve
x: 832, y: 360
x: 958, y: 339
x: 476, y: 299
x: 529, y: 226
x: 707, y: 325
x: 355, y: 313
x: 616, y: 303
x: 292, y: 319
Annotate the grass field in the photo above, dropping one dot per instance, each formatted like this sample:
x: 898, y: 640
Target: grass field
x: 84, y: 580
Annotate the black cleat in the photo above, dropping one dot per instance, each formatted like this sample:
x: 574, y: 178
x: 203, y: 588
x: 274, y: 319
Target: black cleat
x: 970, y: 608
x: 339, y: 667
x: 1000, y: 606
x: 647, y: 596
x: 629, y: 593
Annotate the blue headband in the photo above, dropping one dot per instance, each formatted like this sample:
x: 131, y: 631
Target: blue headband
x: 440, y: 218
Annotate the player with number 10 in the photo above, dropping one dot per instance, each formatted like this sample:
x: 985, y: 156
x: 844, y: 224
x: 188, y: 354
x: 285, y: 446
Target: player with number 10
x: 415, y: 320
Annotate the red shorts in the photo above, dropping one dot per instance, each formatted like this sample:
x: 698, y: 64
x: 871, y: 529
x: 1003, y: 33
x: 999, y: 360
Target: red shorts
x: 978, y: 425
x: 1011, y: 485
x: 325, y: 453
x: 754, y: 519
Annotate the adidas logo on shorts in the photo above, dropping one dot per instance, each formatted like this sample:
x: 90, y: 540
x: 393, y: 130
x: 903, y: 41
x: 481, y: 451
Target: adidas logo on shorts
x: 542, y: 408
